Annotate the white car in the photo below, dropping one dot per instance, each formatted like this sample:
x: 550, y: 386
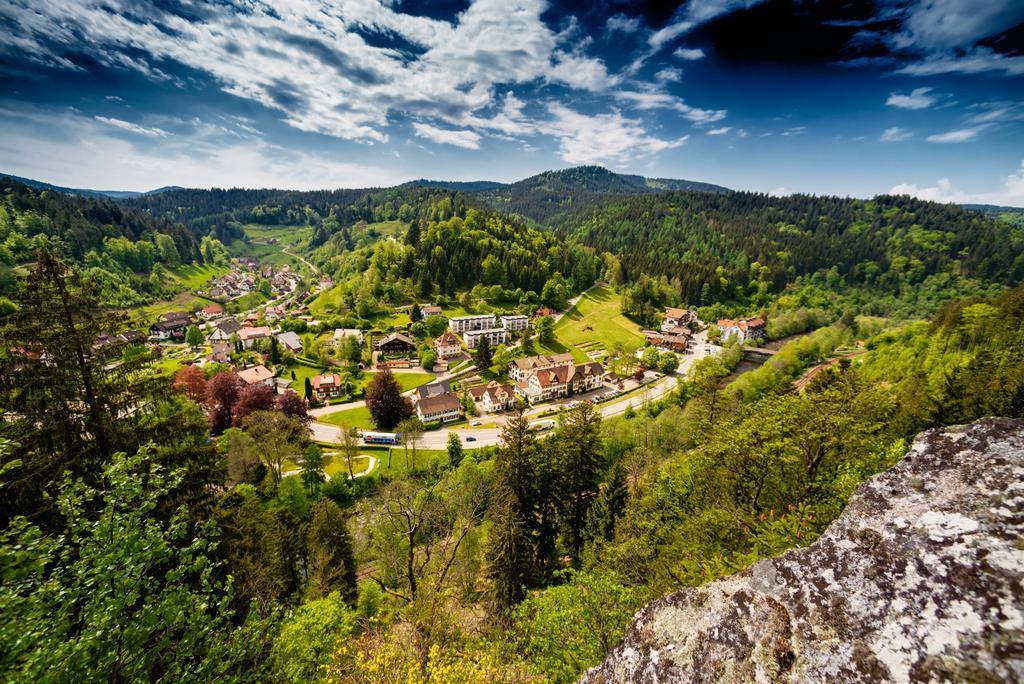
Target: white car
x: 476, y: 422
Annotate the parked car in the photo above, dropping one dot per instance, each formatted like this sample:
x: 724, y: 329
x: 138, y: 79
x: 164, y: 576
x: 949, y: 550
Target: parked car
x: 476, y: 422
x: 470, y: 439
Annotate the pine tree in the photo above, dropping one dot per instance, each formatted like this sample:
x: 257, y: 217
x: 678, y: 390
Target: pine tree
x: 331, y: 558
x: 412, y: 236
x: 308, y: 389
x: 578, y: 448
x: 484, y: 356
x: 415, y: 313
x: 609, y: 506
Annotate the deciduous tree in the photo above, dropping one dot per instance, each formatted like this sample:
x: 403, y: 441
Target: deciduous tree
x: 385, y: 401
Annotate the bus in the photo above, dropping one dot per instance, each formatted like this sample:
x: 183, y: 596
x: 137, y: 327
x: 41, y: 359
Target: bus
x: 380, y: 438
x: 539, y: 425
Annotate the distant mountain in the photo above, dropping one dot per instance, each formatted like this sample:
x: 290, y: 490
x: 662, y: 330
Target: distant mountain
x: 542, y: 197
x: 993, y: 209
x: 83, y: 192
x: 464, y: 186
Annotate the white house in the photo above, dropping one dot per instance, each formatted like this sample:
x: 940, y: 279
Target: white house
x: 520, y: 369
x: 494, y: 397
x: 291, y: 341
x: 516, y: 322
x: 250, y: 336
x: 447, y: 345
x: 561, y: 381
x: 342, y: 333
x: 495, y: 336
x: 430, y: 310
x: 257, y: 375
x: 443, y: 407
x: 461, y: 324
x: 743, y: 329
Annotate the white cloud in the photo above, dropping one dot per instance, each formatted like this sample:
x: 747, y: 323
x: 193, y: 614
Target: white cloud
x: 895, y: 134
x: 669, y: 75
x: 1012, y: 192
x: 794, y: 130
x: 652, y: 98
x: 995, y: 112
x: 466, y: 139
x: 719, y: 131
x: 960, y: 135
x: 781, y: 191
x: 132, y: 128
x: 917, y: 99
x: 934, y: 25
x: 668, y: 33
x: 602, y: 138
x: 689, y: 54
x: 976, y: 61
x: 620, y: 22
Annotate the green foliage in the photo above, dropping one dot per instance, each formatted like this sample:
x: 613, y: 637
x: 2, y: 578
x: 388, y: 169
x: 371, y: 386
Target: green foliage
x: 309, y: 635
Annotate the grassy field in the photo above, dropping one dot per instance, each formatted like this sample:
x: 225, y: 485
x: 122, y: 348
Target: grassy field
x: 273, y: 254
x: 183, y: 301
x: 194, y: 276
x: 595, y: 322
x: 355, y: 417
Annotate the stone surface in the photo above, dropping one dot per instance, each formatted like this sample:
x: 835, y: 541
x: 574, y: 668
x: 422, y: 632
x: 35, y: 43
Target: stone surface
x: 920, y: 579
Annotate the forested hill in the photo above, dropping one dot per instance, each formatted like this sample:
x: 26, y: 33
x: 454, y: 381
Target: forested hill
x: 541, y: 197
x: 722, y: 246
x: 78, y: 224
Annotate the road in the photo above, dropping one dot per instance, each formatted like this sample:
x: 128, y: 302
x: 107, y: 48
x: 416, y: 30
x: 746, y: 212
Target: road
x: 314, y: 269
x: 482, y: 437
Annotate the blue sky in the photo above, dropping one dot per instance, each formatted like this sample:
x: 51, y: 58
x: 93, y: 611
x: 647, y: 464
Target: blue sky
x: 856, y: 98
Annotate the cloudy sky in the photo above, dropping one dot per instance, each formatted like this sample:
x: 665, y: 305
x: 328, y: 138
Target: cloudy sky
x: 852, y: 97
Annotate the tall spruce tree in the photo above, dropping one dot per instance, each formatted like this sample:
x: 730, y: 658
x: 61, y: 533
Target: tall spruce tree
x: 580, y: 464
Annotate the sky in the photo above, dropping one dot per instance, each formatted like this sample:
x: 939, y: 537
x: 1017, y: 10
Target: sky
x: 843, y: 97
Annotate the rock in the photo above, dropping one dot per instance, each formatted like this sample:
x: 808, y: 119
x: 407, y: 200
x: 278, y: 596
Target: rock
x: 920, y: 579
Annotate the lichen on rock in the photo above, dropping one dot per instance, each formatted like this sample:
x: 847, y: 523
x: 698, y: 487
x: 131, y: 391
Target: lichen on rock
x: 920, y: 579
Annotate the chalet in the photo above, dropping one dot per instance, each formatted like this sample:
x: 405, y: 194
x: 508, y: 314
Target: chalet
x: 250, y: 336
x: 325, y: 283
x: 342, y: 333
x: 170, y: 326
x: 561, y: 381
x: 327, y: 386
x: 516, y: 322
x: 742, y: 329
x: 248, y: 262
x: 291, y: 341
x: 132, y: 336
x: 544, y: 311
x: 224, y: 329
x: 520, y: 369
x: 447, y: 345
x: 441, y: 407
x: 494, y: 397
x: 395, y: 343
x: 273, y: 313
x: 221, y: 353
x: 257, y: 375
x: 461, y: 324
x: 267, y: 271
x: 677, y: 318
x: 674, y: 340
x: 431, y: 310
x: 211, y: 311
x: 495, y: 336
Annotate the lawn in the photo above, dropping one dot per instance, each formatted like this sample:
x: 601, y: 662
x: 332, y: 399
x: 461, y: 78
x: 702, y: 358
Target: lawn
x: 273, y: 254
x: 194, y: 276
x: 596, y: 318
x: 182, y: 301
x: 354, y: 417
x: 409, y: 380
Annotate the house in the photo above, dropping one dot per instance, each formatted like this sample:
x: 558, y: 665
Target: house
x: 516, y: 322
x: 325, y: 283
x: 327, y: 386
x: 442, y: 407
x: 520, y: 369
x: 395, y: 343
x: 430, y: 310
x: 495, y: 336
x: 211, y: 311
x: 224, y: 329
x: 250, y: 336
x: 561, y: 381
x: 677, y: 318
x: 675, y: 341
x: 291, y: 341
x: 544, y: 311
x: 494, y: 397
x: 432, y: 390
x: 171, y: 326
x: 742, y: 329
x: 221, y: 353
x: 274, y: 313
x: 257, y: 375
x: 342, y: 333
x: 461, y: 324
x: 132, y: 336
x: 447, y: 345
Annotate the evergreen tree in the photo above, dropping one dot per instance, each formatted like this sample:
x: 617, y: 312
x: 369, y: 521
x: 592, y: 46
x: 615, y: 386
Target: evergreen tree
x: 484, y: 356
x: 609, y: 506
x: 332, y: 563
x: 307, y: 388
x: 313, y: 468
x: 385, y: 401
x: 412, y: 236
x: 578, y: 448
x: 275, y: 351
x: 415, y: 313
x: 455, y: 452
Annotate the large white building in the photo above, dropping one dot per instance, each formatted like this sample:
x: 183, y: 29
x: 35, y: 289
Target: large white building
x: 461, y: 324
x: 560, y: 381
x: 495, y: 336
x: 515, y: 322
x: 520, y: 369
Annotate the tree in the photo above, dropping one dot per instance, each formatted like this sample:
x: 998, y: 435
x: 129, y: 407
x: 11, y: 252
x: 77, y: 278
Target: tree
x: 484, y: 357
x: 313, y: 468
x: 545, y: 329
x: 193, y: 336
x: 649, y: 358
x: 191, y: 381
x: 222, y: 392
x: 455, y: 452
x: 309, y: 637
x: 95, y: 601
x: 332, y: 562
x: 275, y: 351
x: 350, y: 447
x: 415, y: 314
x: 307, y: 388
x: 385, y: 401
x: 412, y: 236
x: 243, y: 462
x: 578, y: 446
x: 252, y: 398
x: 291, y: 404
x: 428, y: 359
x: 668, y: 362
x: 277, y: 437
x: 609, y: 506
x: 411, y: 430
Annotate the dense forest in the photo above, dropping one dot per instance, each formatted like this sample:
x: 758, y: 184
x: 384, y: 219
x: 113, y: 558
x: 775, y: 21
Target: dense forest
x: 748, y: 248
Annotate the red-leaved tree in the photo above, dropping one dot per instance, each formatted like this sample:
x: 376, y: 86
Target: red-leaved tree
x: 384, y: 399
x: 291, y: 404
x: 252, y: 398
x: 222, y: 392
x: 191, y: 382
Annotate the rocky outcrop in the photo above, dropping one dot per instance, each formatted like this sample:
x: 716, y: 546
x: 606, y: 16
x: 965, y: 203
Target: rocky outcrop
x: 920, y: 579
